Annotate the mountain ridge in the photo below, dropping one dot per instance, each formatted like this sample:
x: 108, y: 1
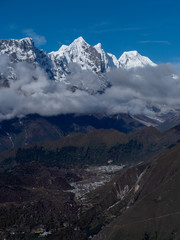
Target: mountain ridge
x: 79, y: 66
x: 55, y: 63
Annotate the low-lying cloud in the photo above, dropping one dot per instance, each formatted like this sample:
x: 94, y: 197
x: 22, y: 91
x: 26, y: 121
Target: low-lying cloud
x: 134, y: 91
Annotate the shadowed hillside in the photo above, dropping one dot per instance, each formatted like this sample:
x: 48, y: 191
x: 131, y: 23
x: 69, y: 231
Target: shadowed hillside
x: 156, y: 212
x: 75, y: 186
x: 34, y: 128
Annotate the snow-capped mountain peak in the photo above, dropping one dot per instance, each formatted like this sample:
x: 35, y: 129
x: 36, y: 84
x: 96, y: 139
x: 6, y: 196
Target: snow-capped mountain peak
x: 59, y: 64
x: 23, y: 50
x: 98, y: 46
x: 10, y: 46
x: 131, y: 53
x: 61, y: 49
x: 132, y: 59
x: 77, y: 43
x: 93, y: 58
x: 81, y: 53
x: 109, y: 60
x: 79, y: 40
x: 27, y: 40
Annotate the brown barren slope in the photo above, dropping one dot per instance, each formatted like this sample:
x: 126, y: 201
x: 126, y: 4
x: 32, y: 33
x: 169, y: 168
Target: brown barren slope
x: 156, y: 212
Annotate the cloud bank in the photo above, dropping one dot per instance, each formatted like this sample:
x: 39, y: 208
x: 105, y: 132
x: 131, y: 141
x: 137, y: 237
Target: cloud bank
x: 134, y: 91
x: 150, y: 41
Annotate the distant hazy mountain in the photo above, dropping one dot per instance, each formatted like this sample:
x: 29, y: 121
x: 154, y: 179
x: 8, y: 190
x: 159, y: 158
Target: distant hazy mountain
x: 171, y: 122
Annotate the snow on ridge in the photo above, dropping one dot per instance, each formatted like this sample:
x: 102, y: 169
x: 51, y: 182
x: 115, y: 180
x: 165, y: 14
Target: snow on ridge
x: 109, y: 60
x: 61, y: 49
x: 77, y: 52
x: 80, y: 52
x: 132, y: 59
x: 9, y: 43
x: 27, y: 40
x: 79, y: 40
x: 87, y: 57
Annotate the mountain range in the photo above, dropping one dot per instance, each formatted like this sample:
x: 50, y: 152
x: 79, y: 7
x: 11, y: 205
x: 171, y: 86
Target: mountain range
x: 86, y: 175
x: 58, y: 64
x: 77, y: 66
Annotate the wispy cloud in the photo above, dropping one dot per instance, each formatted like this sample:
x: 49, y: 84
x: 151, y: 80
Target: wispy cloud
x: 12, y: 26
x: 105, y: 27
x: 109, y: 30
x: 150, y: 41
x: 38, y: 39
x: 98, y: 25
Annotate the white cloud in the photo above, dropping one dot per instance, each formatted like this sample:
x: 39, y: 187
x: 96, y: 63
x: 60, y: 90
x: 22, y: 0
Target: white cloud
x: 161, y: 42
x: 38, y: 39
x: 130, y: 92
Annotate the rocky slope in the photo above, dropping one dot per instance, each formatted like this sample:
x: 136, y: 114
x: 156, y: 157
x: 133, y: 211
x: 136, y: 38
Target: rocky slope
x: 154, y: 211
x: 38, y: 186
x: 22, y: 51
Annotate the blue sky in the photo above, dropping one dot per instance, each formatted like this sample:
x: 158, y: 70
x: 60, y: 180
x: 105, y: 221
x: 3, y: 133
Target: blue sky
x: 150, y: 27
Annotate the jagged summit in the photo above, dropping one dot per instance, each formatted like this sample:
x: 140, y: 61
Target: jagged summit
x: 15, y: 43
x: 99, y: 45
x: 96, y: 59
x: 26, y: 40
x: 9, y: 45
x: 23, y: 50
x: 77, y: 43
x: 79, y: 40
x: 81, y: 53
x: 19, y: 49
x: 109, y: 60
